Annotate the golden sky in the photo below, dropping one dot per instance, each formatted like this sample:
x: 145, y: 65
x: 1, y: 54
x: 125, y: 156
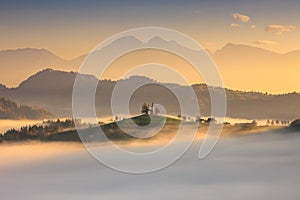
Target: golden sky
x: 73, y: 28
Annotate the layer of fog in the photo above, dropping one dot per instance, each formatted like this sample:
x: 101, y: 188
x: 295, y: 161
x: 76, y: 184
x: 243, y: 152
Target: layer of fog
x: 262, y: 166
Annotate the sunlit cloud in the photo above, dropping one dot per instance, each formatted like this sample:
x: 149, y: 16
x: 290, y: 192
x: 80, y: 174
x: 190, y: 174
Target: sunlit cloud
x: 240, y: 17
x: 253, y: 26
x: 265, y: 42
x: 279, y: 29
x: 234, y: 25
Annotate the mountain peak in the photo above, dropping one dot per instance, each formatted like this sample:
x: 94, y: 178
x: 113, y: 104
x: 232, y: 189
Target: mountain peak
x: 26, y: 50
x: 229, y: 44
x: 156, y: 39
x: 232, y: 45
x: 159, y: 40
x: 238, y: 48
x: 47, y: 70
x: 128, y: 40
x: 50, y: 78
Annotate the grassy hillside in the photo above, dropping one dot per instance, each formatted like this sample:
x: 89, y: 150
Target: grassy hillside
x: 112, y: 130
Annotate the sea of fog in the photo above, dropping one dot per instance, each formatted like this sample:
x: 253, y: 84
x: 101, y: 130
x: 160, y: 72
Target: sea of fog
x: 261, y: 166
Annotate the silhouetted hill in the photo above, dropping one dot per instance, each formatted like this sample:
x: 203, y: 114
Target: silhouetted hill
x: 114, y: 133
x: 11, y: 110
x: 51, y: 80
x: 52, y: 90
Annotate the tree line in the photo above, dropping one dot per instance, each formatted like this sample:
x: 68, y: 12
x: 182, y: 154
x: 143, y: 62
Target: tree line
x: 37, y: 132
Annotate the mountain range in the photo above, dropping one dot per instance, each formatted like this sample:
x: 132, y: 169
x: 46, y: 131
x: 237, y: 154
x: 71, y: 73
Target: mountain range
x: 241, y: 66
x: 52, y: 90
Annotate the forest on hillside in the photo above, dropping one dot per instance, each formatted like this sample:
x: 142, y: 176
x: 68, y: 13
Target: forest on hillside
x: 11, y: 110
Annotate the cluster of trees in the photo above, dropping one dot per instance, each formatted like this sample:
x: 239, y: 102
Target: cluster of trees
x: 247, y: 125
x: 277, y: 122
x: 296, y: 123
x: 146, y: 109
x: 208, y: 120
x: 37, y: 132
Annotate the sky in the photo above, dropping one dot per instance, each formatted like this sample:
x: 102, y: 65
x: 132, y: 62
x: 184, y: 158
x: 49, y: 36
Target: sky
x: 72, y: 28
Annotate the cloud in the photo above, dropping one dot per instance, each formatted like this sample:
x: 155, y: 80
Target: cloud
x: 265, y: 42
x: 234, y: 25
x: 253, y: 26
x: 240, y: 17
x: 279, y: 29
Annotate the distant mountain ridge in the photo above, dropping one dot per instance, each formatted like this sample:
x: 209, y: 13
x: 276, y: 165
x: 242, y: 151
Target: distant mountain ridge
x: 248, y: 65
x: 20, y: 63
x: 52, y: 90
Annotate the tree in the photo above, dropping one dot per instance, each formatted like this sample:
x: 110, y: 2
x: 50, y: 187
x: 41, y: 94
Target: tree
x: 211, y: 120
x: 145, y: 109
x: 254, y: 123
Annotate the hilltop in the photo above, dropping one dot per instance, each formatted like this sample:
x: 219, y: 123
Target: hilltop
x: 113, y: 131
